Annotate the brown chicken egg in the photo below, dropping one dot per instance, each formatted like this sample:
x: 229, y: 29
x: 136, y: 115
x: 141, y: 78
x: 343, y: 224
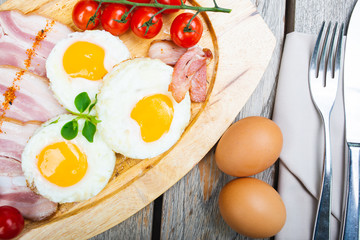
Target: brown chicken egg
x: 252, y: 208
x: 249, y: 146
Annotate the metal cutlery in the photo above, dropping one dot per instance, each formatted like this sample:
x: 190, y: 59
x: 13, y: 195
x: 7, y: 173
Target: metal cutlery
x: 324, y: 73
x: 350, y: 218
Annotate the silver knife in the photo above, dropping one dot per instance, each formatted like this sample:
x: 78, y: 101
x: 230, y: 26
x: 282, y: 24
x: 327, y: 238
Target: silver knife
x: 350, y: 218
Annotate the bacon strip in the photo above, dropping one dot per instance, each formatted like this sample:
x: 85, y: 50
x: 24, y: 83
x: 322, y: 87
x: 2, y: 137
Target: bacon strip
x: 24, y: 40
x: 14, y: 138
x: 34, y: 101
x: 9, y: 167
x: 17, y: 34
x: 198, y: 85
x: 15, y: 193
x: 166, y: 50
x: 185, y: 70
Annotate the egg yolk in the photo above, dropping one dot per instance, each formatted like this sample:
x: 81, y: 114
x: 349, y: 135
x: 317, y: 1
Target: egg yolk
x: 62, y: 163
x: 154, y: 115
x: 85, y: 60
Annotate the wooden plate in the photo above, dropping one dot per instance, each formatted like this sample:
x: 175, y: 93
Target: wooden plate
x: 242, y: 46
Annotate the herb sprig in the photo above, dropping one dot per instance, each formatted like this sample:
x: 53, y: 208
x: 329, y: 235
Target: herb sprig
x: 83, y: 104
x: 163, y: 7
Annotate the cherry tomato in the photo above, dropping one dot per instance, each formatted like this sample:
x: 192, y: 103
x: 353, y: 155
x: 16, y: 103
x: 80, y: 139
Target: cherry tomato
x: 83, y: 11
x: 183, y: 36
x: 171, y: 2
x: 142, y: 15
x: 11, y: 222
x: 113, y: 12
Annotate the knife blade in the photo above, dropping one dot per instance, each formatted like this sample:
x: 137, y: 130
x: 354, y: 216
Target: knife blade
x: 350, y: 218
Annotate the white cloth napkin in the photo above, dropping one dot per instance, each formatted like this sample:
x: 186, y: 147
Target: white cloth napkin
x: 301, y: 158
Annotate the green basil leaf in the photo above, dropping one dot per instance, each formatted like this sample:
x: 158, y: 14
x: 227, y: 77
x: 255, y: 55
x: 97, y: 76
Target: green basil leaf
x: 82, y: 101
x: 70, y: 130
x: 89, y: 131
x: 93, y: 105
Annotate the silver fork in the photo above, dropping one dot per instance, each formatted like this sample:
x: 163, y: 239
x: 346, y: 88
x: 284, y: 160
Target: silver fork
x: 324, y: 73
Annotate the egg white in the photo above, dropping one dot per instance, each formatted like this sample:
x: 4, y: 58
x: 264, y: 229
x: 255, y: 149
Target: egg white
x: 67, y: 88
x: 100, y: 158
x: 123, y: 87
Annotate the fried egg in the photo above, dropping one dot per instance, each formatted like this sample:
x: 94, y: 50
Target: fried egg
x: 66, y: 170
x: 78, y: 63
x: 139, y: 117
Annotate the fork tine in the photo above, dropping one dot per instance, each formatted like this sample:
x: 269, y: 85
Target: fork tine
x: 315, y: 55
x: 332, y: 53
x: 339, y: 51
x: 321, y: 73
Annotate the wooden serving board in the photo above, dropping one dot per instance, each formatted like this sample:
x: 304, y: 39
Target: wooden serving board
x: 242, y: 46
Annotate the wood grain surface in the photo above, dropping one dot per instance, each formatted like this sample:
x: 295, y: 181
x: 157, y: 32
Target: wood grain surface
x: 309, y: 14
x: 245, y: 45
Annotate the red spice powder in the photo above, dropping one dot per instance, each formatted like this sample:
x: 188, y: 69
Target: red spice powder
x: 9, y: 94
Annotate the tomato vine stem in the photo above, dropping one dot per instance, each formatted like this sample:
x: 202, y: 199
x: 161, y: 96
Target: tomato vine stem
x: 149, y: 23
x: 188, y: 28
x: 216, y: 8
x: 93, y: 18
x: 126, y: 14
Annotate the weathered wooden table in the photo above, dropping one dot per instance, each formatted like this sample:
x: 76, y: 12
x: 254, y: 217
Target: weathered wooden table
x: 189, y: 210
